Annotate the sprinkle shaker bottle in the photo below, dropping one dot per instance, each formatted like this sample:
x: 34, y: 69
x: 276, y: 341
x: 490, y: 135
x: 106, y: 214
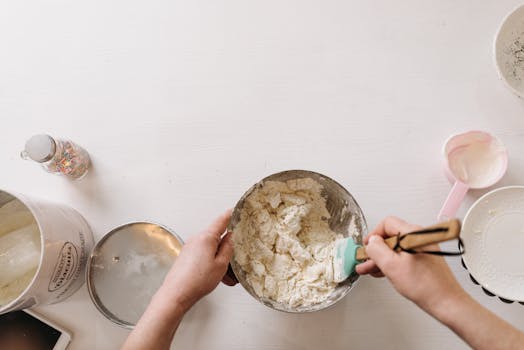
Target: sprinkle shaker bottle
x: 57, y: 155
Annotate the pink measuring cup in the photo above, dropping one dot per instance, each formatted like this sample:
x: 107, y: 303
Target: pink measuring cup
x: 474, y: 159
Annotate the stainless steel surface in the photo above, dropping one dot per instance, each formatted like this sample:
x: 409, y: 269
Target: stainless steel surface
x: 142, y: 250
x: 344, y: 211
x: 33, y: 148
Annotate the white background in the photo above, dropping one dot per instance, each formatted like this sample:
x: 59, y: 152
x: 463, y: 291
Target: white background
x: 185, y: 104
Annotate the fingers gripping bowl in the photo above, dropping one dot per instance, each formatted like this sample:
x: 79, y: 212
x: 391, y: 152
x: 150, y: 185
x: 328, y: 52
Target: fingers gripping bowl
x: 318, y: 210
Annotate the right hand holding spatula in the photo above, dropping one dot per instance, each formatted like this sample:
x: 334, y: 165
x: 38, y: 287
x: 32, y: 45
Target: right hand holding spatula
x: 427, y: 281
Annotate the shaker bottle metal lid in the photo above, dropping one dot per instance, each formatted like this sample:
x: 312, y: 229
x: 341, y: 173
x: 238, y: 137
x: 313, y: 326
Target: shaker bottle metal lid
x: 40, y: 148
x: 126, y: 268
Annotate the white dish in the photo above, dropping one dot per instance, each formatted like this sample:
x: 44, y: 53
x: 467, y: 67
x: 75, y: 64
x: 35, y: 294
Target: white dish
x: 509, y: 51
x: 493, y: 236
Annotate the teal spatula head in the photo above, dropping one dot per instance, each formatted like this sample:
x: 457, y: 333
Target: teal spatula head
x: 344, y: 258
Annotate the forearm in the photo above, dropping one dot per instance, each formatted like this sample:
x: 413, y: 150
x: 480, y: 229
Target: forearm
x: 158, y: 324
x: 198, y: 269
x: 476, y: 325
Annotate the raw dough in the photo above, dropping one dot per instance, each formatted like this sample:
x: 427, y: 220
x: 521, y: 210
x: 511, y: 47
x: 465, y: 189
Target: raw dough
x: 284, y: 244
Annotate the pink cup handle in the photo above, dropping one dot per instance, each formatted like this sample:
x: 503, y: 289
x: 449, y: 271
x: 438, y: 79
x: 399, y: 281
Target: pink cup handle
x: 452, y: 203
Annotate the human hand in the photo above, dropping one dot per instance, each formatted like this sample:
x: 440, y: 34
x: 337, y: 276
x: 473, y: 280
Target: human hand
x: 201, y: 264
x: 424, y: 279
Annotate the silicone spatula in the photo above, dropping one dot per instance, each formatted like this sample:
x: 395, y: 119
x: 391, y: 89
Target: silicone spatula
x: 347, y: 254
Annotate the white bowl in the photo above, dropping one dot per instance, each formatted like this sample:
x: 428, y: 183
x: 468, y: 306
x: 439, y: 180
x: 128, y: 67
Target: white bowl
x: 509, y: 51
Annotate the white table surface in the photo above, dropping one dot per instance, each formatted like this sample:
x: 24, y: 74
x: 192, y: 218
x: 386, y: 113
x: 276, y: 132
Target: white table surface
x: 185, y: 104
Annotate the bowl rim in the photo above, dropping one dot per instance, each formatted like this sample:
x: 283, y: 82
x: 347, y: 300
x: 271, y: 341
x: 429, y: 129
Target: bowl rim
x: 496, y: 43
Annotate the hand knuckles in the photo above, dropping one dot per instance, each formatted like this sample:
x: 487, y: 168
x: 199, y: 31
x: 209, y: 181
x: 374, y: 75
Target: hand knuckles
x: 190, y: 241
x: 222, y: 261
x: 393, y: 221
x: 204, y: 238
x: 388, y: 264
x: 390, y: 218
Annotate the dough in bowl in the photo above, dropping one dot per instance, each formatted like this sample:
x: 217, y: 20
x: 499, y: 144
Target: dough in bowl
x: 284, y: 244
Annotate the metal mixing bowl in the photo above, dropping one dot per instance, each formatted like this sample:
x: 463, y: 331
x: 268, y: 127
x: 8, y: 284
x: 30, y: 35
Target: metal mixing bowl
x: 346, y: 218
